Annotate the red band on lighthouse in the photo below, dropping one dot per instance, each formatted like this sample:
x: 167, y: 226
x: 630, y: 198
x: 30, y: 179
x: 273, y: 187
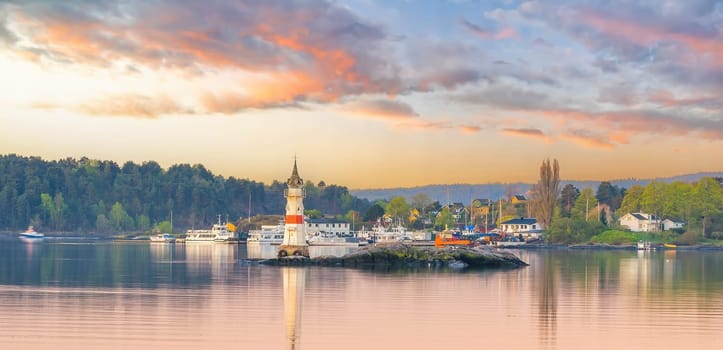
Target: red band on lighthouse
x: 294, y: 219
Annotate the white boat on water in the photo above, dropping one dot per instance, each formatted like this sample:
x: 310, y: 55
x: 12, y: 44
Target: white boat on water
x: 218, y: 233
x: 30, y: 236
x: 398, y: 233
x: 645, y: 245
x: 268, y: 234
x: 323, y: 238
x: 163, y: 238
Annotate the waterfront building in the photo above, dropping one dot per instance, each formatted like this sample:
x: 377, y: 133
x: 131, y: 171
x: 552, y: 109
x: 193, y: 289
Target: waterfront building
x: 640, y: 222
x: 528, y: 228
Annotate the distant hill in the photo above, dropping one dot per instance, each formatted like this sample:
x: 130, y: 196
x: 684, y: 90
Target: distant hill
x: 464, y: 193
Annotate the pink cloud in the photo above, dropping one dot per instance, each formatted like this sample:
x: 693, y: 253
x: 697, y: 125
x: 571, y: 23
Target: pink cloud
x: 639, y: 32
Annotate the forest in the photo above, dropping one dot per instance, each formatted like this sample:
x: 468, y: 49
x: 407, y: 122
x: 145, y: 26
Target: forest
x: 100, y: 196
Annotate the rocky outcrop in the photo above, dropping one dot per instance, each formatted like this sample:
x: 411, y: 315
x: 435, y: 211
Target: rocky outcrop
x: 403, y: 255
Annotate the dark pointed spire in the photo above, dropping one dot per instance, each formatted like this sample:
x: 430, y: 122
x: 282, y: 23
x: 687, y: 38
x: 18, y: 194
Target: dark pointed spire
x: 295, y: 181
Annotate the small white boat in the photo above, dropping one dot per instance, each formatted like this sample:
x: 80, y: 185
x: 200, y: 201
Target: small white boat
x: 163, y: 238
x: 30, y: 236
x: 645, y: 245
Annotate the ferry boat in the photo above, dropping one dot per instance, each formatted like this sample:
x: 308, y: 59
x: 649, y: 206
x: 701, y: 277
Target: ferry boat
x: 163, y: 238
x: 30, y: 236
x: 268, y: 234
x: 221, y: 233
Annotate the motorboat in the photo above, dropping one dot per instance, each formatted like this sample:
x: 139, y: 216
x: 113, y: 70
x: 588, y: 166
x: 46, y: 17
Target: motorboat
x: 30, y: 236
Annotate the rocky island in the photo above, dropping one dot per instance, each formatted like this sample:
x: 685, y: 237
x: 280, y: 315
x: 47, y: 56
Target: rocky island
x: 405, y: 255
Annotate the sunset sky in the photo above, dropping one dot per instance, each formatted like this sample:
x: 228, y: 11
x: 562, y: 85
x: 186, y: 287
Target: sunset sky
x: 368, y: 93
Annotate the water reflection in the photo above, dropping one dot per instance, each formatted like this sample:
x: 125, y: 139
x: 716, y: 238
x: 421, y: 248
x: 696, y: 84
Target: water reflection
x: 268, y: 251
x: 261, y: 251
x: 294, y: 283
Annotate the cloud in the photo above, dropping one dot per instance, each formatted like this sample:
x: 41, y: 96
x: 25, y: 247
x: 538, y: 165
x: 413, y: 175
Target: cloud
x: 470, y: 129
x: 133, y: 106
x: 384, y: 109
x: 527, y: 132
x: 503, y: 33
x: 587, y: 139
x: 326, y: 50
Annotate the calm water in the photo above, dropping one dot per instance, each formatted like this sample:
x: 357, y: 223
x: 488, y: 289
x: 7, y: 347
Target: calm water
x: 143, y: 296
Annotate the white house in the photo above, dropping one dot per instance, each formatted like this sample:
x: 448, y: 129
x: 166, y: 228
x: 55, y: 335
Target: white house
x: 640, y: 222
x: 528, y: 228
x: 314, y: 226
x: 671, y: 224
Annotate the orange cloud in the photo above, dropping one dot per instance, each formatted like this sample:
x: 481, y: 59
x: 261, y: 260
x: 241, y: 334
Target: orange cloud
x: 133, y: 106
x: 587, y: 139
x: 527, y: 132
x: 470, y: 129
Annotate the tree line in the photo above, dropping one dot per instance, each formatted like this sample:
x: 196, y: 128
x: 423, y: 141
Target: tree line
x: 576, y: 215
x: 89, y: 195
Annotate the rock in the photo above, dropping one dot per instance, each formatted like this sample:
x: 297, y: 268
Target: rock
x: 404, y: 255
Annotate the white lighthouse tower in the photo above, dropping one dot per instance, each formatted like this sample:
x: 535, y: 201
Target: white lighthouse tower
x: 294, y: 229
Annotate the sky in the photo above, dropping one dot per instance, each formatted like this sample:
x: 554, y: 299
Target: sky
x: 368, y: 93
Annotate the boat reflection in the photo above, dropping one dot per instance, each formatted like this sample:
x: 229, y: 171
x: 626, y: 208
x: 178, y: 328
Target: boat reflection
x: 294, y: 279
x: 220, y: 258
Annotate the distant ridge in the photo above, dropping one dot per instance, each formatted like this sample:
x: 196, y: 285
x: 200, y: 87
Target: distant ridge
x: 464, y: 193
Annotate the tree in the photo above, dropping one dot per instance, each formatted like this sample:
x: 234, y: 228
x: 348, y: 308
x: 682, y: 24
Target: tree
x: 119, y: 218
x: 444, y: 219
x: 54, y: 207
x: 609, y: 194
x: 420, y: 201
x: 708, y: 200
x: 568, y: 195
x: 632, y: 200
x: 164, y: 227
x: 374, y: 212
x: 545, y: 192
x: 585, y: 208
x: 653, y: 198
x: 397, y: 208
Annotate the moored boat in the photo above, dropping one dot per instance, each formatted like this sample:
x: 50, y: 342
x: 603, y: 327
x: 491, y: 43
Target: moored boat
x: 221, y: 233
x: 323, y: 238
x: 30, y: 236
x: 268, y: 234
x: 645, y: 245
x: 446, y: 238
x: 163, y: 238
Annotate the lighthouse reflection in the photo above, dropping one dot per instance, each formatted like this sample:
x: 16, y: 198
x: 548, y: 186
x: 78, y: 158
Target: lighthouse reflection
x: 294, y: 282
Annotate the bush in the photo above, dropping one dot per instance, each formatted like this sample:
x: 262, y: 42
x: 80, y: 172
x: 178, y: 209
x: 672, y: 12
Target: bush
x: 615, y: 237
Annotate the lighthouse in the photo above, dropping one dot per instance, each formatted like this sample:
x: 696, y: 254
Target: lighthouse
x: 294, y: 229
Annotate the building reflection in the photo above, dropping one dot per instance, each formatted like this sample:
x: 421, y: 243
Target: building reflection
x: 294, y: 279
